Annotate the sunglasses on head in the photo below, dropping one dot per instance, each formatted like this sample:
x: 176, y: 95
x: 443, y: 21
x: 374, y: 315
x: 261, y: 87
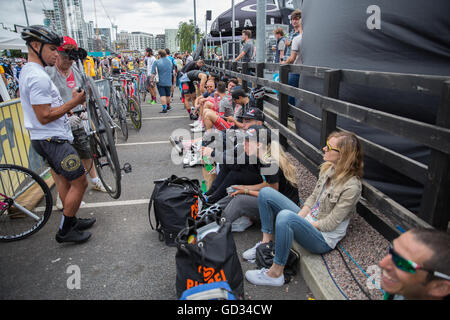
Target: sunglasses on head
x: 329, y: 147
x: 410, y: 266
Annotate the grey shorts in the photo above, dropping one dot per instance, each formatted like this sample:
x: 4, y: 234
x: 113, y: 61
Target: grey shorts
x: 81, y: 143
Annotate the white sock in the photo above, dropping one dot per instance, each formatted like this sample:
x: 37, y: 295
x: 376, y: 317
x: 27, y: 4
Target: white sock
x: 95, y: 180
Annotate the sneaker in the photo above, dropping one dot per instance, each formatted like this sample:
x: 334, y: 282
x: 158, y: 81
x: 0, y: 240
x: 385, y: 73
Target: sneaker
x: 99, y: 186
x: 163, y: 111
x: 177, y: 144
x: 198, y: 129
x: 241, y: 224
x: 187, y: 158
x: 196, y: 147
x: 195, y: 123
x: 74, y: 235
x: 196, y: 159
x: 250, y: 254
x: 83, y: 224
x: 153, y: 102
x: 169, y: 108
x: 60, y: 206
x: 260, y: 278
x: 193, y: 117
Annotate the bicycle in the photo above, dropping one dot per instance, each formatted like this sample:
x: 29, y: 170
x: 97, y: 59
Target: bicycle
x: 100, y: 130
x: 116, y: 106
x: 134, y: 109
x: 20, y: 217
x: 142, y: 87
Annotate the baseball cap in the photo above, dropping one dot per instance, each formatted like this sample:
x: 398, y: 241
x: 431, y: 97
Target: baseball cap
x: 253, y: 113
x: 237, y: 93
x: 259, y: 133
x: 68, y: 44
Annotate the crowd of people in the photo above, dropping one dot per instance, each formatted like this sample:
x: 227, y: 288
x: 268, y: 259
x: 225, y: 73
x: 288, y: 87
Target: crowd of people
x: 251, y: 178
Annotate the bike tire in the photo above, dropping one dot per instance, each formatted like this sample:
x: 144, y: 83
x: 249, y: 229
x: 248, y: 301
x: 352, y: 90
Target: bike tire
x: 103, y: 147
x: 135, y: 113
x: 20, y: 181
x: 121, y: 115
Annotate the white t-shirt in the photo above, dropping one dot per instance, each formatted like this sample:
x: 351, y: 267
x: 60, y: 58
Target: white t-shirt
x: 150, y: 61
x: 296, y: 46
x: 37, y: 88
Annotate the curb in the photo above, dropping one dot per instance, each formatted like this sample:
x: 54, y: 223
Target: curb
x: 316, y: 276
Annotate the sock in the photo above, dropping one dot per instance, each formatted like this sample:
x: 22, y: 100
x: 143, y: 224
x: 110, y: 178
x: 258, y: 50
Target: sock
x: 153, y: 98
x: 164, y: 107
x: 95, y: 180
x: 66, y: 224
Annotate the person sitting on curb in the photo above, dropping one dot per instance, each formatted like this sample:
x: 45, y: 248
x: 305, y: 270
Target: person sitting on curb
x: 243, y: 202
x: 417, y: 266
x: 188, y: 88
x: 325, y: 216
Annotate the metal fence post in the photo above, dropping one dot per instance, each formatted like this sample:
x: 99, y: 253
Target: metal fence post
x: 435, y: 208
x: 331, y: 89
x: 260, y: 74
x: 245, y: 72
x: 283, y: 102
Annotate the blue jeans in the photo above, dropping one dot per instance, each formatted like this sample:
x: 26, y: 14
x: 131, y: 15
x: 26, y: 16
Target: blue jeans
x: 275, y: 207
x: 294, y: 80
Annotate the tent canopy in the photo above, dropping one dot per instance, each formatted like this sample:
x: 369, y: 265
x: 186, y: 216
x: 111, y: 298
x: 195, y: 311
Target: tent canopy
x: 11, y: 40
x: 245, y: 14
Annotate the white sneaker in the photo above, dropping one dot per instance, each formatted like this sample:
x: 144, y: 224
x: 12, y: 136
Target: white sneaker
x: 60, y: 206
x: 99, y: 186
x: 195, y: 123
x: 196, y: 146
x: 260, y: 278
x: 187, y: 158
x: 250, y: 254
x: 198, y: 129
x: 241, y: 224
x: 195, y: 159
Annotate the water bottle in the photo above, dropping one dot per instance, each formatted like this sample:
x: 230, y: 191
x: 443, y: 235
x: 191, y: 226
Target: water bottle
x: 204, y: 189
x: 208, y: 166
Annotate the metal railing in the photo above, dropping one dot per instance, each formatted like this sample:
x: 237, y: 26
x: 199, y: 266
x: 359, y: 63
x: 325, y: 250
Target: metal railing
x: 382, y: 212
x: 15, y: 142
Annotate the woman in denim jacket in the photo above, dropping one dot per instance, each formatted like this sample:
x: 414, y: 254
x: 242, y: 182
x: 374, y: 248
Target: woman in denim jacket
x: 324, y: 218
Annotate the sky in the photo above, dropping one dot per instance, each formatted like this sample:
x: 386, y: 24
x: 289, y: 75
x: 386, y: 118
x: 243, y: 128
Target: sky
x: 151, y: 16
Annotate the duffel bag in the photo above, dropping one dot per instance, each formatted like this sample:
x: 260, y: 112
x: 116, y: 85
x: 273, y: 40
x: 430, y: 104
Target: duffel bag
x: 173, y: 200
x: 207, y: 254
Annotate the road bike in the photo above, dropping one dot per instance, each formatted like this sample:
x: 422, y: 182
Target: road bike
x: 142, y: 86
x: 25, y: 202
x: 117, y: 106
x: 134, y: 109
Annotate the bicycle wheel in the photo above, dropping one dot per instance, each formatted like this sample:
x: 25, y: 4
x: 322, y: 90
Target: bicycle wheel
x: 25, y: 202
x: 103, y: 146
x: 121, y: 115
x: 135, y: 113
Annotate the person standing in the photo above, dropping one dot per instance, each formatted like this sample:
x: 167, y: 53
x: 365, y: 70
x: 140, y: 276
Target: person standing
x: 164, y: 68
x: 66, y: 77
x: 248, y: 49
x: 280, y: 46
x: 149, y: 61
x: 45, y: 117
x: 295, y: 57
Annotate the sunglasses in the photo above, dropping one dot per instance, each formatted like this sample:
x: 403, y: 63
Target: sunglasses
x: 329, y: 147
x: 410, y: 266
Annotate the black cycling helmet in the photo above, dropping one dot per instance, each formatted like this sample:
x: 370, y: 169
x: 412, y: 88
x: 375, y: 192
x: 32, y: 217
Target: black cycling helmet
x: 41, y: 34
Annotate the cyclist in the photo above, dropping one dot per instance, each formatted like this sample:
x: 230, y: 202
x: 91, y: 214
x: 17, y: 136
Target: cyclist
x: 45, y: 116
x: 116, y: 64
x: 66, y: 77
x: 187, y: 85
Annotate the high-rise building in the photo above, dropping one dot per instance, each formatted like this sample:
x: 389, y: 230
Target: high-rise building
x: 160, y: 41
x: 140, y: 41
x: 70, y: 20
x: 105, y: 34
x: 171, y: 41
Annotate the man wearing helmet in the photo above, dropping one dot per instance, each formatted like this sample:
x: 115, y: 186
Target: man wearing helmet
x: 45, y: 116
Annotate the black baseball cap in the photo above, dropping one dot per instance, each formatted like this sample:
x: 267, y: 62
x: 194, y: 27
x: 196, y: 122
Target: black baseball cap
x: 237, y: 93
x: 253, y: 113
x: 259, y: 133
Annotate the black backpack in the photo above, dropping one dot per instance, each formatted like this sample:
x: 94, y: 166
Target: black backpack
x: 174, y: 200
x: 211, y: 259
x: 265, y: 253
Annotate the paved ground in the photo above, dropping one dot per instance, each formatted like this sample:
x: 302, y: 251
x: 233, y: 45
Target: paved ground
x: 123, y: 259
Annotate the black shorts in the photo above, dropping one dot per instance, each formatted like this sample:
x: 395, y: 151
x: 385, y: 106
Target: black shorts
x: 188, y: 88
x: 61, y: 156
x: 115, y: 71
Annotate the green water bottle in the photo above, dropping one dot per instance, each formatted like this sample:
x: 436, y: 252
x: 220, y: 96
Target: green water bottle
x: 208, y: 165
x: 204, y: 189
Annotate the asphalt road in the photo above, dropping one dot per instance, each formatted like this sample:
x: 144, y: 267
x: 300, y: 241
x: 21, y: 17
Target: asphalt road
x: 124, y: 258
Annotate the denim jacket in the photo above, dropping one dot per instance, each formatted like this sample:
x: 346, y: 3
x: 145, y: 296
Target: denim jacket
x: 338, y: 202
